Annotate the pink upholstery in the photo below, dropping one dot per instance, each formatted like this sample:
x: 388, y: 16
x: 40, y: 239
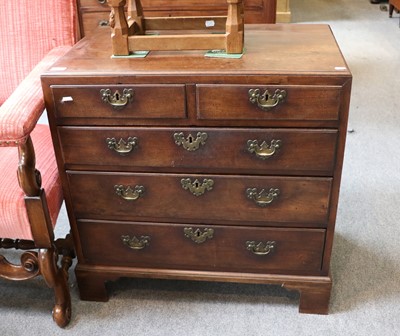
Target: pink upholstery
x: 34, y: 34
x: 13, y: 217
x: 19, y: 113
x: 29, y: 30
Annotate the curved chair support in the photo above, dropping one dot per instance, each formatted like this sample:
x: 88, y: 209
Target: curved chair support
x: 45, y: 261
x: 28, y: 269
x: 29, y: 177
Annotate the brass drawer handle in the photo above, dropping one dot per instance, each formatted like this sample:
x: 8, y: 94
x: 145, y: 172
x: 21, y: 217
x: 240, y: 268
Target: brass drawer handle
x: 260, y: 248
x: 190, y: 143
x: 263, y: 151
x: 102, y: 1
x: 128, y: 193
x: 116, y: 100
x: 262, y: 198
x: 122, y: 147
x: 104, y: 23
x: 266, y: 101
x: 136, y: 243
x: 195, y: 187
x: 197, y: 236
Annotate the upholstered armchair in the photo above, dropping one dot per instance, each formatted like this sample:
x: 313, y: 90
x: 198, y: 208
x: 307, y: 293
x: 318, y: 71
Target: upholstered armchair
x: 34, y: 35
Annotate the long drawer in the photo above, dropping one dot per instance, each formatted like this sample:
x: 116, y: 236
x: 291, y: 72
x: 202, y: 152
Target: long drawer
x: 200, y: 198
x: 292, y: 102
x: 267, y: 151
x: 120, y: 102
x: 243, y: 249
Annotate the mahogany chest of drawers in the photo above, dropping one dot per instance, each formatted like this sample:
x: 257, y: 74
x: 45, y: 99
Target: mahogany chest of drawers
x: 186, y: 167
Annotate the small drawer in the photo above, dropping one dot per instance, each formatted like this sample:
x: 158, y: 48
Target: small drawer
x: 91, y: 21
x: 122, y: 102
x: 274, y: 151
x: 245, y: 102
x: 214, y: 248
x: 232, y: 199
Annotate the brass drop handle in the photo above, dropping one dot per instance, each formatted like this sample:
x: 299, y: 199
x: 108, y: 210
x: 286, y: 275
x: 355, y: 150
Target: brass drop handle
x: 122, y: 147
x: 264, y: 197
x: 102, y: 1
x: 197, y: 236
x: 190, y: 143
x: 266, y: 101
x: 116, y: 100
x: 265, y: 150
x: 128, y: 193
x: 104, y: 23
x: 136, y: 243
x: 196, y: 187
x: 260, y: 248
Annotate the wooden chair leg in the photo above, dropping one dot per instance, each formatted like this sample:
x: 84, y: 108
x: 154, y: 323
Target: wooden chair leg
x: 56, y: 278
x: 45, y: 261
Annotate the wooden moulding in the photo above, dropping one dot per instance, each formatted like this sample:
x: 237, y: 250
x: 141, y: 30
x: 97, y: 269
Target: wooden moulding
x: 129, y: 30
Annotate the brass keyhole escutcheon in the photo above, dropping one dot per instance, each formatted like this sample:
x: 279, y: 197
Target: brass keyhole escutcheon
x: 267, y: 101
x: 116, y: 100
x: 197, y: 235
x: 190, y: 143
x: 196, y: 187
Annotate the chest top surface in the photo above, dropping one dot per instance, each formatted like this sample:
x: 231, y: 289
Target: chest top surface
x: 284, y: 49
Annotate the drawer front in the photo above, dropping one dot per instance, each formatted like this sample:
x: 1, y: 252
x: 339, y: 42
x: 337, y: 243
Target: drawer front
x: 200, y: 198
x: 92, y: 20
x: 222, y: 248
x: 122, y: 102
x: 279, y: 151
x: 232, y: 102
